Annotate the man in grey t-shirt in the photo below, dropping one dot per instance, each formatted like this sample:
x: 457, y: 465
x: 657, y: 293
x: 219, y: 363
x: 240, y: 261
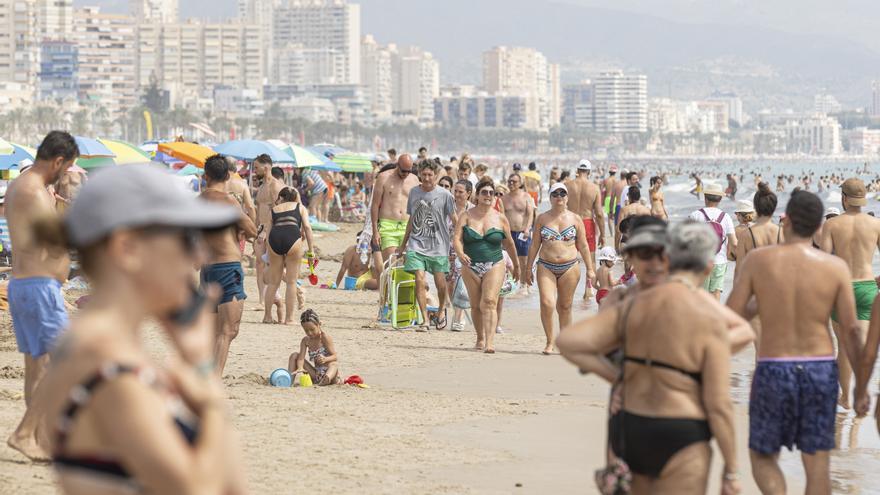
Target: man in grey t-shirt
x: 427, y: 238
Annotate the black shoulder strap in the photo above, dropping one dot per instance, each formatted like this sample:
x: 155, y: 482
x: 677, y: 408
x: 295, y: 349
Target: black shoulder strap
x: 754, y: 242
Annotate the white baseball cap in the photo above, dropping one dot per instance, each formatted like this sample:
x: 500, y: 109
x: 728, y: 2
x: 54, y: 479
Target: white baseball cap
x: 744, y: 206
x: 558, y: 186
x: 585, y: 165
x: 607, y: 253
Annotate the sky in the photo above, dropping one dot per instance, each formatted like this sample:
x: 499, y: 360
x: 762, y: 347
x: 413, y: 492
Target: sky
x: 852, y: 19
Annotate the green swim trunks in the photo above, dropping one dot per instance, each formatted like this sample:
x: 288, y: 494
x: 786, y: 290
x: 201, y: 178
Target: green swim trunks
x: 608, y: 205
x: 715, y: 281
x: 865, y: 292
x: 391, y: 232
x: 431, y: 264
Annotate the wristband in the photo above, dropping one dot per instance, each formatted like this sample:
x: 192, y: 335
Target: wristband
x: 730, y: 476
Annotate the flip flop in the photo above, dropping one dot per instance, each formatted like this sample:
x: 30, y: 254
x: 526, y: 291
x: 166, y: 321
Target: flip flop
x: 489, y: 351
x: 440, y: 324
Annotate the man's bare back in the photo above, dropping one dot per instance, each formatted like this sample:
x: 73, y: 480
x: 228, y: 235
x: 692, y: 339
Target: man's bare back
x: 586, y: 196
x: 28, y: 201
x: 797, y: 287
x: 854, y: 237
x: 267, y: 194
x: 239, y: 190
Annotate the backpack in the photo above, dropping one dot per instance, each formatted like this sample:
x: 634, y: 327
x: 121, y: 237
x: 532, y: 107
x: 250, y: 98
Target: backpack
x: 717, y: 227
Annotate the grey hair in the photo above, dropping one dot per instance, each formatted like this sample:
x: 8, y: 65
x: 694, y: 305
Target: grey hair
x: 691, y: 246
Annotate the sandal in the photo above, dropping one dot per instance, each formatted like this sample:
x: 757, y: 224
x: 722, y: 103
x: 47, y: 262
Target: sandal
x: 440, y: 324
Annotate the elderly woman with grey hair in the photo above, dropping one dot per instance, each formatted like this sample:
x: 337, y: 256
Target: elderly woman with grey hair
x: 676, y: 342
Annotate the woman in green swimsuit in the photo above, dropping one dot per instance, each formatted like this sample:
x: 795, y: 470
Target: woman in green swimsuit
x: 479, y: 235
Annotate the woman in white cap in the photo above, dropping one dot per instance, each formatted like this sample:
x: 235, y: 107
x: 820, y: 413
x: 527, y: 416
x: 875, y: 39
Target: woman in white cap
x: 561, y: 238
x: 123, y: 422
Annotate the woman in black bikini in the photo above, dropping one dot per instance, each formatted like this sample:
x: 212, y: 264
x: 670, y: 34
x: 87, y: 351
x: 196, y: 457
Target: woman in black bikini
x: 763, y: 232
x: 560, y: 238
x: 676, y: 345
x: 123, y: 423
x: 290, y: 223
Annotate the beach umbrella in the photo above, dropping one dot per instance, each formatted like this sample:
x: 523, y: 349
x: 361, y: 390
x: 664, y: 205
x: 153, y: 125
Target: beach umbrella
x: 190, y: 169
x: 305, y: 158
x: 123, y: 154
x: 354, y: 162
x: 92, y: 148
x: 11, y: 161
x: 248, y: 149
x: 194, y: 154
x: 6, y: 147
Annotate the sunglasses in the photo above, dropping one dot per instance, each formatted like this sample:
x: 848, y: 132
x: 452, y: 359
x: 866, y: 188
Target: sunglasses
x: 558, y: 194
x: 499, y: 195
x: 487, y: 192
x: 513, y: 181
x: 647, y: 253
x: 191, y: 239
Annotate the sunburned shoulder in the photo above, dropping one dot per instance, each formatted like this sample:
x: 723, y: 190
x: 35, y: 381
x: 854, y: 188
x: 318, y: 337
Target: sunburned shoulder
x: 218, y: 196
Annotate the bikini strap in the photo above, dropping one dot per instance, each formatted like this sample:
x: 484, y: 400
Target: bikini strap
x: 754, y: 242
x: 697, y: 377
x: 80, y: 395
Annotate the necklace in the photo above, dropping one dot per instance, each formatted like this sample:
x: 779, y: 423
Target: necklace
x: 683, y: 281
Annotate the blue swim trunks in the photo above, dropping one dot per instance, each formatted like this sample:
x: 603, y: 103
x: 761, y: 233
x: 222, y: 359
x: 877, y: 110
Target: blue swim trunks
x: 793, y: 402
x: 38, y: 313
x: 522, y: 246
x: 229, y: 276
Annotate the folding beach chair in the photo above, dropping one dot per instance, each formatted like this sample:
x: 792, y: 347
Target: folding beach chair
x: 399, y: 295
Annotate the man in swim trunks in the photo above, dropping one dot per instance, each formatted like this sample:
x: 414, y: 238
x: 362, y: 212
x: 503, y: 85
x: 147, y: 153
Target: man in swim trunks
x: 388, y: 209
x: 519, y: 208
x: 607, y: 196
x: 711, y: 213
x: 267, y: 194
x: 854, y: 237
x: 427, y: 239
x: 224, y: 260
x: 794, y: 389
x: 585, y: 199
x: 533, y: 183
x: 35, y: 300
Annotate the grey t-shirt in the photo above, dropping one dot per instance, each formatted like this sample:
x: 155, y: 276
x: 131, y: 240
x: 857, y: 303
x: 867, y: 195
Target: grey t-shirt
x: 429, y: 212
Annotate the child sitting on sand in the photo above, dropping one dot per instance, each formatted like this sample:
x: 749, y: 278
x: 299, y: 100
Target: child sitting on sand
x: 606, y: 258
x: 322, y: 364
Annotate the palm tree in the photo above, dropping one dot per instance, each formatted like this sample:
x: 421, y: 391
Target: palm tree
x: 79, y: 122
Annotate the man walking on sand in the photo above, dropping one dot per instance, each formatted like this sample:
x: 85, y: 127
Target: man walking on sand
x: 854, y: 236
x: 585, y: 199
x: 388, y: 208
x: 224, y: 261
x: 723, y: 226
x: 267, y: 194
x: 519, y: 208
x: 794, y: 387
x: 35, y: 300
x: 428, y: 238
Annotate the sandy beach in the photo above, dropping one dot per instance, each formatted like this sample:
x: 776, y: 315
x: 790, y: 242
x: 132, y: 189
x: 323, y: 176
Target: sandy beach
x: 438, y: 417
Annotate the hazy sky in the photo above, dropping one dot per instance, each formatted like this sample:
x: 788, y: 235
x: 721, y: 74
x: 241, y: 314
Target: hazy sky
x: 853, y: 19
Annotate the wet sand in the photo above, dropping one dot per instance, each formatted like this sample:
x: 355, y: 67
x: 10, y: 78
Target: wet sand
x: 438, y: 418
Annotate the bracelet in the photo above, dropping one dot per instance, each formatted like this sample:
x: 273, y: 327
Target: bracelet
x: 730, y: 476
x: 206, y: 367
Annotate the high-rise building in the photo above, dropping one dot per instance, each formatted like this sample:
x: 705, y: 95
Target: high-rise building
x: 816, y: 134
x: 54, y: 19
x: 415, y: 82
x: 577, y: 105
x: 376, y: 77
x: 734, y: 105
x: 322, y: 25
x: 19, y: 46
x: 191, y: 59
x: 875, y: 98
x: 161, y: 11
x: 826, y: 103
x: 296, y: 64
x: 718, y: 112
x: 261, y: 13
x: 107, y: 52
x: 524, y: 71
x: 485, y: 111
x: 59, y: 70
x: 621, y: 102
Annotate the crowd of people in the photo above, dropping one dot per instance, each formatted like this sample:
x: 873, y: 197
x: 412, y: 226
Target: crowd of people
x: 661, y: 335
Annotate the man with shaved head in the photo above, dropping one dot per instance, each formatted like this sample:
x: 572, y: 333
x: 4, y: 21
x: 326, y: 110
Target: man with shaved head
x: 388, y: 207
